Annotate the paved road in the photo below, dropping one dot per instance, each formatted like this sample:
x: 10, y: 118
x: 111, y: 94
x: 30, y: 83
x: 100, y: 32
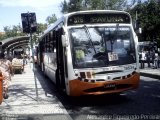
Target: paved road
x: 142, y: 103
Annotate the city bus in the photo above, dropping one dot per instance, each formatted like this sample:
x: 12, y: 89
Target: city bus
x: 91, y: 53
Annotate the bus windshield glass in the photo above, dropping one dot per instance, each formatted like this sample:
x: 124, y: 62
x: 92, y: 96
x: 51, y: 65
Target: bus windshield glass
x: 102, y: 46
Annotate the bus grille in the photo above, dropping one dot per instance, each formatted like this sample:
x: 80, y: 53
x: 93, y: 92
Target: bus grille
x: 124, y: 77
x: 102, y: 80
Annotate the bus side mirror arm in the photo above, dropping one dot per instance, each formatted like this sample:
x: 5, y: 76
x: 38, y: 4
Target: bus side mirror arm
x: 64, y: 41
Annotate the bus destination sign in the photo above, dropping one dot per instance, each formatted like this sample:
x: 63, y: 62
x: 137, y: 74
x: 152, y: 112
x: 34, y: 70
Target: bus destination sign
x: 98, y: 18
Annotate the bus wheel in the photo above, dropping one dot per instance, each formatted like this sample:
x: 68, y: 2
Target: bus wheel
x: 20, y: 71
x: 44, y: 72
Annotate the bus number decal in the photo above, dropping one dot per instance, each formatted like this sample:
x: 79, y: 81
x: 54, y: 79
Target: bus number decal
x: 112, y: 56
x: 78, y: 20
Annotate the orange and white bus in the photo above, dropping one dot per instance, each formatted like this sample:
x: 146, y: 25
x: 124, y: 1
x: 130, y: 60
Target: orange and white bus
x: 91, y: 53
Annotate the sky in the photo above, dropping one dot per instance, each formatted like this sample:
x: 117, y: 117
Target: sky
x: 10, y: 10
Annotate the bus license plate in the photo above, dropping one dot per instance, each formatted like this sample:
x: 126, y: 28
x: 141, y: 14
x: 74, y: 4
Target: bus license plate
x: 112, y: 56
x: 110, y: 85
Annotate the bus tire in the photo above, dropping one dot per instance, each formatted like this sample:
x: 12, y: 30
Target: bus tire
x: 21, y: 71
x: 43, y: 70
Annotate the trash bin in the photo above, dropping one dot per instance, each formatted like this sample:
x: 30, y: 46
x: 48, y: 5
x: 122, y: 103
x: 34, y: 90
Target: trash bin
x: 1, y: 88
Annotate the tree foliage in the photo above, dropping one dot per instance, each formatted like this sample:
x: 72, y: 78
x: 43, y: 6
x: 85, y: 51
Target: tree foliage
x: 15, y: 30
x: 71, y: 6
x: 64, y: 6
x: 41, y: 27
x: 51, y: 19
x: 148, y: 15
x: 77, y: 5
x: 94, y: 4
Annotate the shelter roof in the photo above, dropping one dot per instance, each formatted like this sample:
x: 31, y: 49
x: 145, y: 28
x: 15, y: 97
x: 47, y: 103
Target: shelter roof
x: 13, y: 42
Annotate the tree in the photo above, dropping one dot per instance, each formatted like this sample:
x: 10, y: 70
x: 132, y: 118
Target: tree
x: 71, y: 6
x: 64, y: 6
x: 95, y: 4
x: 40, y: 28
x: 116, y: 4
x: 51, y: 19
x: 77, y: 5
x: 2, y: 36
x: 13, y: 31
x: 148, y: 14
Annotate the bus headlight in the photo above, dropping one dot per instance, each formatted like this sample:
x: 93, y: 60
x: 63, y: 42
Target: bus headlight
x: 76, y: 72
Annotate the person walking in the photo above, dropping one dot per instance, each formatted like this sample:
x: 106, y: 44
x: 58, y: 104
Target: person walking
x: 6, y: 70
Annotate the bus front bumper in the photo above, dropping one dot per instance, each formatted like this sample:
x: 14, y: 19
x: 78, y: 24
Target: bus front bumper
x: 78, y: 88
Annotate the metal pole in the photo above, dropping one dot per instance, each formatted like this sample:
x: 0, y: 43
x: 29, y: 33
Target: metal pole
x: 31, y: 43
x: 136, y: 15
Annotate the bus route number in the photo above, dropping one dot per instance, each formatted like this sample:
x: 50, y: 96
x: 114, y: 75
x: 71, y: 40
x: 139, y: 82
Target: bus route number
x: 78, y: 20
x: 112, y: 56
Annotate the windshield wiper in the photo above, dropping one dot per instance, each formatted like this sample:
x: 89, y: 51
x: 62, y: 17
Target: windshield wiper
x: 89, y: 37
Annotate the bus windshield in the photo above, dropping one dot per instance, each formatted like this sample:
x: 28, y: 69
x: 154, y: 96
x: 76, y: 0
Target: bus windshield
x: 102, y: 46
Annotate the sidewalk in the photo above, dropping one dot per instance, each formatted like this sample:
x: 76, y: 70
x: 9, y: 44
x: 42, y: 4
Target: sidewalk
x: 22, y: 103
x: 150, y: 72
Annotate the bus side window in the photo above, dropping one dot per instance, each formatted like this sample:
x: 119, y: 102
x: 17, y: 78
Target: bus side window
x: 43, y: 44
x: 45, y: 40
x: 51, y: 41
x: 48, y: 43
x: 54, y: 41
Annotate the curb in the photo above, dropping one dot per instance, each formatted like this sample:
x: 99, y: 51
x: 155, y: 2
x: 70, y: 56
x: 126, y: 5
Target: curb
x: 150, y: 75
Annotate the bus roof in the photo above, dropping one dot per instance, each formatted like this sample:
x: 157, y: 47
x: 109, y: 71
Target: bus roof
x: 95, y: 11
x: 65, y: 17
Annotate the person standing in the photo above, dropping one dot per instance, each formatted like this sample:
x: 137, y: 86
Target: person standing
x: 143, y: 58
x: 6, y: 70
x: 156, y: 60
x: 148, y: 58
x: 152, y: 57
